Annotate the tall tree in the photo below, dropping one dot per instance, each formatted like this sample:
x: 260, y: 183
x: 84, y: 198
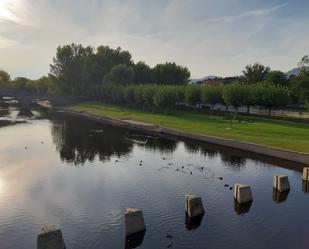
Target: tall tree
x: 300, y: 84
x: 170, y: 73
x: 255, y: 73
x: 270, y: 96
x: 70, y: 67
x: 120, y: 74
x: 142, y: 73
x: 278, y: 78
x: 212, y: 95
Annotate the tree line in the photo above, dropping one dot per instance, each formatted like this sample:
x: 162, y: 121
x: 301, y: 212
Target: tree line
x: 77, y: 69
x: 163, y: 98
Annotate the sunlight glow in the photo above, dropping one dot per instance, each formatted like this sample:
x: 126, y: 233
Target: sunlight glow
x: 1, y: 186
x: 6, y: 13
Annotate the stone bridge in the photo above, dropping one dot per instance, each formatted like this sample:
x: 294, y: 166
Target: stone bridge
x: 27, y: 98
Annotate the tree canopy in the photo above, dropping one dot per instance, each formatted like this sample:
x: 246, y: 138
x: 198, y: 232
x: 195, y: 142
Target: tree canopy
x: 76, y: 68
x: 255, y: 73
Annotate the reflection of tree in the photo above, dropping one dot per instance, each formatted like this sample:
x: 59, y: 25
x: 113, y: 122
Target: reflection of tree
x: 234, y: 161
x: 192, y: 148
x: 204, y: 149
x: 79, y: 140
x: 161, y: 144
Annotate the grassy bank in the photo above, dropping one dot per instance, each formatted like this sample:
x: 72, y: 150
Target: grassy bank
x: 279, y: 134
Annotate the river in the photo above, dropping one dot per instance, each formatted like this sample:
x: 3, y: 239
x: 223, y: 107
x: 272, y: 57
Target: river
x: 81, y: 176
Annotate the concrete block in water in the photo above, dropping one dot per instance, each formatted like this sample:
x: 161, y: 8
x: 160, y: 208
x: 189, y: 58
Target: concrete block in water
x: 281, y: 183
x: 306, y: 174
x: 50, y: 238
x: 134, y: 221
x: 242, y: 193
x: 193, y: 206
x: 306, y: 187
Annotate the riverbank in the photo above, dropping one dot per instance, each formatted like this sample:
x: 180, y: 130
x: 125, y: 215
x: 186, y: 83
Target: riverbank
x: 285, y: 140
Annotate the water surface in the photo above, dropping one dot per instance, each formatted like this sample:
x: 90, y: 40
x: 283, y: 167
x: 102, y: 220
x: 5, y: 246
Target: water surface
x: 81, y: 176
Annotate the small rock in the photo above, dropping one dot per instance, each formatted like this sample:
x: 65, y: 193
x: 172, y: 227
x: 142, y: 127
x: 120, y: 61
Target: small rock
x: 116, y: 161
x: 226, y: 185
x: 163, y: 158
x: 202, y: 168
x: 220, y: 178
x: 182, y: 167
x: 191, y: 173
x: 231, y: 188
x: 26, y: 148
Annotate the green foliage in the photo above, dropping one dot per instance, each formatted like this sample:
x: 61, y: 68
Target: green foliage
x: 170, y: 73
x: 278, y: 78
x: 76, y: 68
x: 142, y: 73
x: 255, y: 73
x: 120, y: 74
x: 128, y: 95
x: 148, y: 95
x: 270, y: 96
x: 165, y: 97
x: 300, y: 87
x: 193, y: 95
x: 212, y: 95
x: 234, y: 95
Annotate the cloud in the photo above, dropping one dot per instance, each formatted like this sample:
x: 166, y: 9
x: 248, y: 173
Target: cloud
x: 209, y: 37
x: 248, y: 14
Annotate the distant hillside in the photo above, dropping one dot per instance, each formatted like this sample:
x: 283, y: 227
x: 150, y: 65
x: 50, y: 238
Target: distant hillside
x: 294, y: 71
x: 209, y: 77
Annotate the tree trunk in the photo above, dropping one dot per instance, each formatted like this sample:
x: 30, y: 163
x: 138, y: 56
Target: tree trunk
x: 269, y: 111
x: 248, y: 109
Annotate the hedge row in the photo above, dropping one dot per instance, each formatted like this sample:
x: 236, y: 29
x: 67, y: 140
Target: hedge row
x: 166, y: 97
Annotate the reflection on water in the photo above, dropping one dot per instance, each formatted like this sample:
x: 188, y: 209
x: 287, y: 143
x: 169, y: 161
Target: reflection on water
x: 82, y: 175
x: 243, y: 208
x: 279, y: 197
x: 135, y: 240
x: 78, y: 144
x: 193, y: 223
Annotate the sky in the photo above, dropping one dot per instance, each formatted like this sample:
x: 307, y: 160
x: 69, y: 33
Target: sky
x: 210, y: 37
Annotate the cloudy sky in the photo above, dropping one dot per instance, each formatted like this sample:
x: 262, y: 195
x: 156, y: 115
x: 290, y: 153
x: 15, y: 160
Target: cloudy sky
x: 210, y: 37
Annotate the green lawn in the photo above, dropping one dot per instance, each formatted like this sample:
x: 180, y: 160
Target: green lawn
x: 286, y: 135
